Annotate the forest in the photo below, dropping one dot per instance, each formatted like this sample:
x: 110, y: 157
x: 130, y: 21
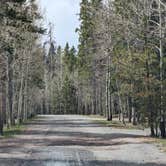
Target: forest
x: 118, y: 70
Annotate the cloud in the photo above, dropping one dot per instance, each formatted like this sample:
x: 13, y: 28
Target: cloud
x: 63, y: 14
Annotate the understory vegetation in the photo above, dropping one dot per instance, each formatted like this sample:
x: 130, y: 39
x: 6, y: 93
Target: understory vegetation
x: 118, y: 70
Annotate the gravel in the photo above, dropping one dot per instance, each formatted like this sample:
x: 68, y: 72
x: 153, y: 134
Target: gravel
x: 73, y: 140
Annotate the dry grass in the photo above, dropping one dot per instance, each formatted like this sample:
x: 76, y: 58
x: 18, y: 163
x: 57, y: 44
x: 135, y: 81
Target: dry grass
x: 115, y: 123
x: 161, y: 143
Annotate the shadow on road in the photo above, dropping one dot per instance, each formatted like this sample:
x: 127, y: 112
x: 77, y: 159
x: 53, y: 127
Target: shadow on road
x: 45, y: 135
x: 49, y: 136
x: 17, y: 162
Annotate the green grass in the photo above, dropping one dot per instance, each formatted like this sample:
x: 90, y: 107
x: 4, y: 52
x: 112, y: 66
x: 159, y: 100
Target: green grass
x: 17, y: 129
x: 14, y: 130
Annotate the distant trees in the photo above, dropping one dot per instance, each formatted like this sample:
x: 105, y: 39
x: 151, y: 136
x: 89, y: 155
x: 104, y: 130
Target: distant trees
x: 60, y: 79
x: 87, y: 80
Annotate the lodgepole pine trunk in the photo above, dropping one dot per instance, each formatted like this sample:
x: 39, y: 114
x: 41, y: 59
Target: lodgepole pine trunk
x: 162, y: 111
x: 1, y: 109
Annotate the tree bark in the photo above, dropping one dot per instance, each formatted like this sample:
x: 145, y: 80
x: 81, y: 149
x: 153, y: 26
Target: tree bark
x: 1, y: 108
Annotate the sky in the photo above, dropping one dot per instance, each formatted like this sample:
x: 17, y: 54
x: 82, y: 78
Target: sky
x: 64, y: 15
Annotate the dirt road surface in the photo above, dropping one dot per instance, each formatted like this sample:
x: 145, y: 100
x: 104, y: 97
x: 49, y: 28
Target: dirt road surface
x: 71, y: 140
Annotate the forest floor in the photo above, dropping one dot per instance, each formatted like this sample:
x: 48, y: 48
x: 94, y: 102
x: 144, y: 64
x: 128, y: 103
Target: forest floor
x: 72, y: 140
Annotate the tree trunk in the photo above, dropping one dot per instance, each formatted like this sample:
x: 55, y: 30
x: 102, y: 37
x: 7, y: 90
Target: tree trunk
x: 20, y: 100
x: 130, y: 109
x: 1, y: 108
x: 134, y: 115
x: 10, y: 120
x: 2, y: 93
x: 162, y: 129
x: 162, y: 111
x: 107, y: 100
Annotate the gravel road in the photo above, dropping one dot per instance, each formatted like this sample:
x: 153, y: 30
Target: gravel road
x: 71, y: 140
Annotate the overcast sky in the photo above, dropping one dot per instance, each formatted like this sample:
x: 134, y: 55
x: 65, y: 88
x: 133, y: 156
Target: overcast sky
x: 63, y: 14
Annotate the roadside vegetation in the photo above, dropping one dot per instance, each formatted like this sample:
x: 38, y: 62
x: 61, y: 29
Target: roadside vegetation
x: 161, y: 143
x: 12, y: 131
x: 117, y: 124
